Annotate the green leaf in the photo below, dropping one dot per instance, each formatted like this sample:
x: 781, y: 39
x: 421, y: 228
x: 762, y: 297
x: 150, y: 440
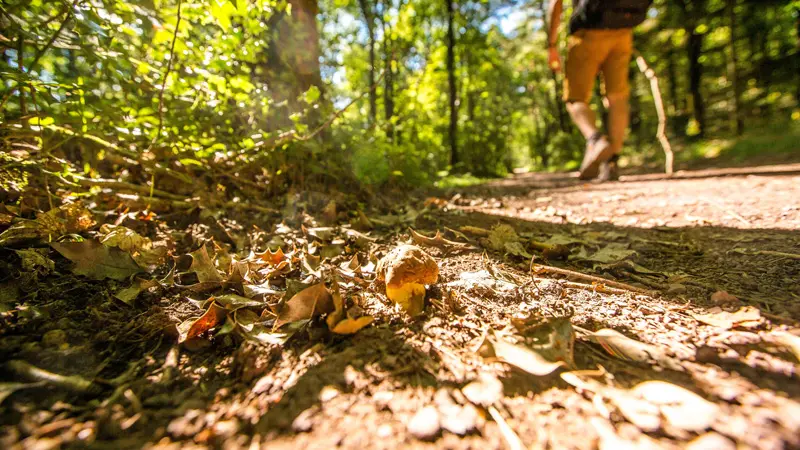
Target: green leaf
x: 312, y: 95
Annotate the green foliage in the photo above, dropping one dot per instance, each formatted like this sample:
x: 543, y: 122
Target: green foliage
x: 215, y: 83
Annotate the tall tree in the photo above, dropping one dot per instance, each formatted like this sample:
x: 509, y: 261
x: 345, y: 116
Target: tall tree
x: 369, y: 20
x: 733, y: 70
x: 451, y: 81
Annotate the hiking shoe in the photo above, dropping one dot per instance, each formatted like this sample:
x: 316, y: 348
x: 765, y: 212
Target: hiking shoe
x: 609, y: 170
x: 598, y: 150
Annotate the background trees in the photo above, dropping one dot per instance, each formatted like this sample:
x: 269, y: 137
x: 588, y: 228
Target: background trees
x: 435, y: 85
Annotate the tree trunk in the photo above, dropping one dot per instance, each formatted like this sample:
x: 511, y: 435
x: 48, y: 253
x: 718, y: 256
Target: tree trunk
x: 451, y: 78
x: 388, y: 81
x: 695, y: 48
x: 733, y: 71
x: 369, y: 20
x: 559, y: 105
x: 673, y: 83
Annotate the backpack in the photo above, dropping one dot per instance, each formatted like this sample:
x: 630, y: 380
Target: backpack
x: 608, y: 13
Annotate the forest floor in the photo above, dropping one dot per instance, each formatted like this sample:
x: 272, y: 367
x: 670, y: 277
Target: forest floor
x: 701, y: 291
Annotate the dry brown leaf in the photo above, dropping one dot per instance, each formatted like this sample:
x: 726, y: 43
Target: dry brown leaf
x: 124, y: 238
x: 746, y: 316
x: 272, y: 258
x: 329, y: 212
x: 523, y: 357
x: 306, y: 304
x: 785, y: 339
x: 681, y: 408
x: 97, y: 261
x: 623, y: 347
x: 203, y: 266
x: 363, y: 223
x: 192, y: 328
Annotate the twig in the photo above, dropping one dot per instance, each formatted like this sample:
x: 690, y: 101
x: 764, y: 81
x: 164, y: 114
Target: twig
x: 53, y: 38
x: 589, y: 287
x: 539, y: 268
x: 94, y: 139
x: 513, y: 441
x: 114, y: 184
x: 661, y: 134
x: 728, y: 211
x: 166, y: 75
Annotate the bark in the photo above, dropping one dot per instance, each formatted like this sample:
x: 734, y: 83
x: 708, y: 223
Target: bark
x: 694, y: 49
x: 369, y: 20
x: 733, y: 71
x: 388, y: 81
x: 673, y: 83
x: 451, y: 78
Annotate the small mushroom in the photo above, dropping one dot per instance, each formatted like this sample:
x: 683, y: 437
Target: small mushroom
x: 406, y: 270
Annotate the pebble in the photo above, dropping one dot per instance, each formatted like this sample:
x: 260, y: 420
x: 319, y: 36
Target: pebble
x: 425, y: 424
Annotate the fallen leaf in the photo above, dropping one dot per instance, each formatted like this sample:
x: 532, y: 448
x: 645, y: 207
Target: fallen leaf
x: 329, y: 212
x: 363, y: 222
x: 233, y: 301
x: 97, y: 261
x: 623, y: 347
x: 272, y: 258
x: 436, y: 241
x: 785, y: 339
x: 351, y: 326
x: 682, y: 409
x: 515, y: 248
x: 203, y: 266
x: 192, y: 328
x: 501, y: 235
x: 306, y: 304
x: 124, y: 238
x: 745, y: 316
x: 611, y: 253
x: 34, y: 260
x: 258, y: 291
x: 129, y: 294
x: 523, y: 357
x: 324, y: 234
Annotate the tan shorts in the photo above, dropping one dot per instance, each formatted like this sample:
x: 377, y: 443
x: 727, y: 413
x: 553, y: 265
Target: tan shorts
x: 594, y: 51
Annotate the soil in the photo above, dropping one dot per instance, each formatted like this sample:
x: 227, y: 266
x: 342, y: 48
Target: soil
x: 403, y: 382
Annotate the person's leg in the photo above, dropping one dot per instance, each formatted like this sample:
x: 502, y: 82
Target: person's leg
x: 583, y: 117
x: 587, y: 50
x: 615, y: 73
x: 582, y: 66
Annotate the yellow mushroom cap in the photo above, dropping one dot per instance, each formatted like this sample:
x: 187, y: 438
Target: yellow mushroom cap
x: 408, y: 264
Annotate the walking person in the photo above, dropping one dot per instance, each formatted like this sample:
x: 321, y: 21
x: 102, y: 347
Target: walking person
x: 600, y: 41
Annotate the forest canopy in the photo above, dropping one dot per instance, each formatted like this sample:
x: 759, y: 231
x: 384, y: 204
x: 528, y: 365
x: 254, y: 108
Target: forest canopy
x: 376, y: 91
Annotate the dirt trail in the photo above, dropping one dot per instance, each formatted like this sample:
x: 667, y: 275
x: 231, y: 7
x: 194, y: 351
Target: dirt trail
x: 413, y: 383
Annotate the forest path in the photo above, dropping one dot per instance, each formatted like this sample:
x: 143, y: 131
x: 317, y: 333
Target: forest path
x: 687, y: 335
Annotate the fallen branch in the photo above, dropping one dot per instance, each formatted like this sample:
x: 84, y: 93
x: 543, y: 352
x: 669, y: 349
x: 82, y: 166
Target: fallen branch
x: 603, y: 289
x: 121, y: 185
x: 539, y: 268
x: 661, y: 134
